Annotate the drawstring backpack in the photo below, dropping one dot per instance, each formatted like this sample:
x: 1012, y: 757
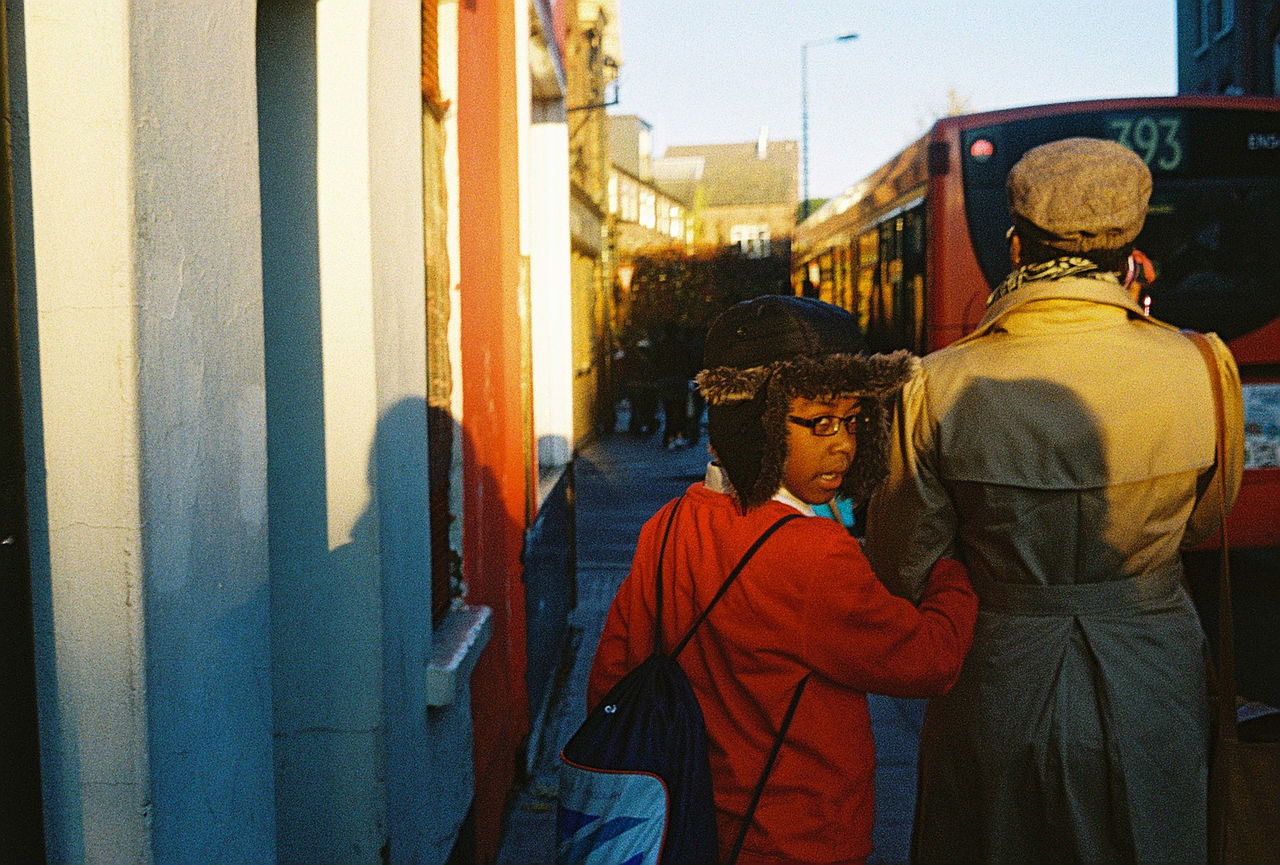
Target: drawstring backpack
x: 635, y: 780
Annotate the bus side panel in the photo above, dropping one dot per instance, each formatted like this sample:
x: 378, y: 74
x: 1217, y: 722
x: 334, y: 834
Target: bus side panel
x: 1257, y: 347
x: 956, y: 289
x: 1248, y: 525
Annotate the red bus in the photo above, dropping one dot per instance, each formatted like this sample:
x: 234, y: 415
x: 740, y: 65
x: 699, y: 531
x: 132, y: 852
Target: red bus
x: 915, y: 247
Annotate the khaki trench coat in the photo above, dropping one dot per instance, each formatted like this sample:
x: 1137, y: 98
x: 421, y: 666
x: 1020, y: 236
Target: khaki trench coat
x: 1063, y: 450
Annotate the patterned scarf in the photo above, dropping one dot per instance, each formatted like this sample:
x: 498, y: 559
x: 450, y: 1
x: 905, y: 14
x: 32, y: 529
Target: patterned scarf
x: 1068, y: 265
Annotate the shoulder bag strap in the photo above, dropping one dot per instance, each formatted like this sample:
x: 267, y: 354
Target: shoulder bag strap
x: 733, y: 575
x: 1225, y: 688
x: 662, y: 551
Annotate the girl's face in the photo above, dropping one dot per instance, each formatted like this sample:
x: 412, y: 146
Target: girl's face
x: 816, y: 464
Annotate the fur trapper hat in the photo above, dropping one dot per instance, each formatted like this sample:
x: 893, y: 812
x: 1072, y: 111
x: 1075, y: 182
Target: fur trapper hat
x: 760, y: 354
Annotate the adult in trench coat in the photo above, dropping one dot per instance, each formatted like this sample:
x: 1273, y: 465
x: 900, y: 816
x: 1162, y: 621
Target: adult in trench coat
x: 1064, y: 450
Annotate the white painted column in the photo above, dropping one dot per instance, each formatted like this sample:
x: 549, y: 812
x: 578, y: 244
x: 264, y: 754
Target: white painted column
x: 350, y: 560
x: 416, y: 789
x: 94, y: 725
x: 547, y: 231
x: 156, y: 707
x: 322, y: 398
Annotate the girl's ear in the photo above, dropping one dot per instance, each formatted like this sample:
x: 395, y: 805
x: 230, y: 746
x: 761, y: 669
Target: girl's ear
x: 1015, y: 250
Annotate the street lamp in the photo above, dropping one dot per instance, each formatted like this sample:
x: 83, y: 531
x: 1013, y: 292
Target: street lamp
x: 804, y: 106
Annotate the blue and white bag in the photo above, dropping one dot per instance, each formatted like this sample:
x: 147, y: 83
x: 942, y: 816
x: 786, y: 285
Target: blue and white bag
x: 635, y: 780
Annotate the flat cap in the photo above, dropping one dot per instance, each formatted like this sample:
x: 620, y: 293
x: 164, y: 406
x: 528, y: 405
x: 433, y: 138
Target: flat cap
x: 1079, y: 194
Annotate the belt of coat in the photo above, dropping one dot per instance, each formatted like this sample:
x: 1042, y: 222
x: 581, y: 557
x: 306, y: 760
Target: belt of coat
x: 1143, y: 593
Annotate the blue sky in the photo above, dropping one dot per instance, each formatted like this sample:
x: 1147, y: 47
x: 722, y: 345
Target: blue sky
x: 713, y: 71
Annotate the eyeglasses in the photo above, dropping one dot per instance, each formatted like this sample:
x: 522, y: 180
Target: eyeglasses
x: 829, y: 424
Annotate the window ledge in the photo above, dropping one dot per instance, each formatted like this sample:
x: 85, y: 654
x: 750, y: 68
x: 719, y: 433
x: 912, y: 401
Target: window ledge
x: 455, y: 646
x: 548, y: 477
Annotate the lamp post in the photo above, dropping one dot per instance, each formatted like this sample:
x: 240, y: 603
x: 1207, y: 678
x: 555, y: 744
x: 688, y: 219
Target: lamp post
x: 804, y: 107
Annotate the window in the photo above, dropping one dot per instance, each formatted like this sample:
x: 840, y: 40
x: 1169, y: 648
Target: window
x: 648, y: 208
x: 1275, y: 66
x: 868, y: 270
x: 823, y: 284
x: 628, y: 206
x: 897, y: 301
x: 677, y: 221
x: 1208, y: 22
x: 752, y: 239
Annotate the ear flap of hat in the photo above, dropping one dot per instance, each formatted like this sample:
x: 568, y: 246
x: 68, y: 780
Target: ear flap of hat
x: 886, y: 374
x: 737, y: 435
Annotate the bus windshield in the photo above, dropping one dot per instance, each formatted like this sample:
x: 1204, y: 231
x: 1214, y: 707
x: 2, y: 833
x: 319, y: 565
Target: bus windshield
x: 1213, y: 230
x: 1216, y: 248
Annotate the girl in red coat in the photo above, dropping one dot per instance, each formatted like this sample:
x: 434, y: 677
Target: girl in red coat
x: 796, y: 415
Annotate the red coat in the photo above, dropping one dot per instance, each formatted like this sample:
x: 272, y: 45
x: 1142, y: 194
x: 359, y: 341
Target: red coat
x: 807, y: 601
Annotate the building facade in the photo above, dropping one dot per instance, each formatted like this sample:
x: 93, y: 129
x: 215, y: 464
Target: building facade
x: 1229, y: 46
x: 741, y: 194
x: 593, y: 54
x: 294, y: 321
x: 696, y: 202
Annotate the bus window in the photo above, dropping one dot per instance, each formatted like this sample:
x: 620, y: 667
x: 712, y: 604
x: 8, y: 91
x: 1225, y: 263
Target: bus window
x: 883, y: 312
x: 913, y: 267
x: 824, y: 277
x: 1216, y: 247
x: 868, y: 266
x: 841, y: 293
x: 897, y: 314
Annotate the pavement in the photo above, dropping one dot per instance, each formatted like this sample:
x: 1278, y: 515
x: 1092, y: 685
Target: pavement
x: 621, y: 480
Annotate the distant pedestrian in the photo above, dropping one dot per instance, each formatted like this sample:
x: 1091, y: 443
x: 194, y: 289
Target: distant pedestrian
x: 1063, y: 450
x: 635, y: 370
x: 693, y: 340
x: 671, y: 379
x: 796, y: 416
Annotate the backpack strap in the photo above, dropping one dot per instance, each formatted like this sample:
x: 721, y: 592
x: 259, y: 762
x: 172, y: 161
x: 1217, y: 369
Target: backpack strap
x: 795, y: 697
x: 768, y: 767
x: 728, y: 581
x: 662, y: 551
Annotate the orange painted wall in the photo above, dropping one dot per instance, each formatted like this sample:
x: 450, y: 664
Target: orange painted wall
x: 493, y: 429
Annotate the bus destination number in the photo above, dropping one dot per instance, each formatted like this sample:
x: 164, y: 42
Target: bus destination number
x: 1158, y: 140
x: 1264, y: 141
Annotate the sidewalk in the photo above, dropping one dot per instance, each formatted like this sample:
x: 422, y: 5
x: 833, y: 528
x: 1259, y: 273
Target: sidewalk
x: 621, y: 481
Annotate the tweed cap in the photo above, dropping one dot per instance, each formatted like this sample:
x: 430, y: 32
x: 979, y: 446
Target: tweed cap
x: 1079, y: 194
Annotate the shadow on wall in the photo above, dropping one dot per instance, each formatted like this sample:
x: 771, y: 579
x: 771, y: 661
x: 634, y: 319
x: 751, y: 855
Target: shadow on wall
x: 64, y: 831
x: 359, y: 759
x: 550, y: 573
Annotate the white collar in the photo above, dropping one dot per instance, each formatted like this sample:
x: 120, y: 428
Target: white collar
x: 717, y: 480
x: 784, y: 495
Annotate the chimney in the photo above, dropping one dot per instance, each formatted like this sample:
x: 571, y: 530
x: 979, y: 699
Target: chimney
x: 762, y: 146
